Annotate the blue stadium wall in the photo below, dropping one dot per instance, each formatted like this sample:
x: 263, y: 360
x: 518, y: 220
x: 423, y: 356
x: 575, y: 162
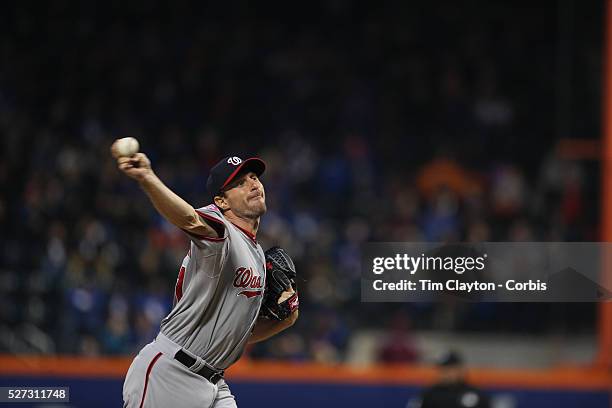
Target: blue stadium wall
x: 100, y: 392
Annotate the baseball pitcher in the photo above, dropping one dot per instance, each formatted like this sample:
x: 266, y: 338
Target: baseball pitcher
x: 228, y: 292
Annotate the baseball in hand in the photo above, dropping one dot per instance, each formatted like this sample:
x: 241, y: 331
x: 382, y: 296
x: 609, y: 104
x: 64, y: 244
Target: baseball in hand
x: 127, y: 146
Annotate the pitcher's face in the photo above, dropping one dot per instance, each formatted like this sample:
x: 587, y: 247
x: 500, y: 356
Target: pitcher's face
x: 246, y: 196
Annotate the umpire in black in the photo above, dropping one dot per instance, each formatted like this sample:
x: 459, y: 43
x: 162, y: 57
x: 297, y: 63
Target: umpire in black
x: 452, y: 390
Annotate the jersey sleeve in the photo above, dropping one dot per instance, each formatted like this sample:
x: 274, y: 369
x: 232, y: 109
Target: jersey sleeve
x: 213, y: 217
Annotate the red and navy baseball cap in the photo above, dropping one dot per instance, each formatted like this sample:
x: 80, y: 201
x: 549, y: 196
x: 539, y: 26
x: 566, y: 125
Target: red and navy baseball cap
x: 227, y: 169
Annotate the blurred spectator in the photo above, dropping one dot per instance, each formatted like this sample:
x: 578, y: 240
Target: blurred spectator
x: 116, y: 335
x: 329, y: 337
x: 398, y: 346
x: 443, y: 173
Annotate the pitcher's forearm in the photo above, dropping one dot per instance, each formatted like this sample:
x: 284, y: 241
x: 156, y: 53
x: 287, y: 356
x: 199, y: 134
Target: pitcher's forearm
x: 172, y: 207
x: 264, y: 328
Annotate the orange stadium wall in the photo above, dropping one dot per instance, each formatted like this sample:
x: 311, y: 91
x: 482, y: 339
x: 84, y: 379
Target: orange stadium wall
x: 98, y: 382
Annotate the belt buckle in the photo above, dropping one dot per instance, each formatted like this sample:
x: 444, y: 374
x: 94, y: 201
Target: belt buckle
x: 215, y: 377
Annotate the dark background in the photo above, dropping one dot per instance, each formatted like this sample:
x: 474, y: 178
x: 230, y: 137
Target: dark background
x: 380, y: 122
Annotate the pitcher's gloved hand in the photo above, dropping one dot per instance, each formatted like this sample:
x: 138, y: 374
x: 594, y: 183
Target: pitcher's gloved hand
x: 280, y: 296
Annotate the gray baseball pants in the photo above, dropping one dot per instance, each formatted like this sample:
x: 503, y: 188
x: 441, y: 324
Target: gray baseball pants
x: 155, y: 379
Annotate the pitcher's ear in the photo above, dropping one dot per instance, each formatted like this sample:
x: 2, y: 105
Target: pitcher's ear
x: 221, y: 202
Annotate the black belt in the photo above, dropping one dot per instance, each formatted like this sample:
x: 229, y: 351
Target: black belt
x: 206, y: 372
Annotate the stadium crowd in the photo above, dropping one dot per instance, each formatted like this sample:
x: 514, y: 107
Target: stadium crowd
x: 375, y: 123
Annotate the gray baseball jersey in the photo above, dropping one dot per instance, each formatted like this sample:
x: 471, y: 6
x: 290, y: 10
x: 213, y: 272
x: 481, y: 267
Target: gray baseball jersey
x: 218, y: 294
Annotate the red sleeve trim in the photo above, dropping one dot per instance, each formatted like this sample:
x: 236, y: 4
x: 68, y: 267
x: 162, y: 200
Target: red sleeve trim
x: 202, y: 237
x: 151, y: 364
x: 213, y: 219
